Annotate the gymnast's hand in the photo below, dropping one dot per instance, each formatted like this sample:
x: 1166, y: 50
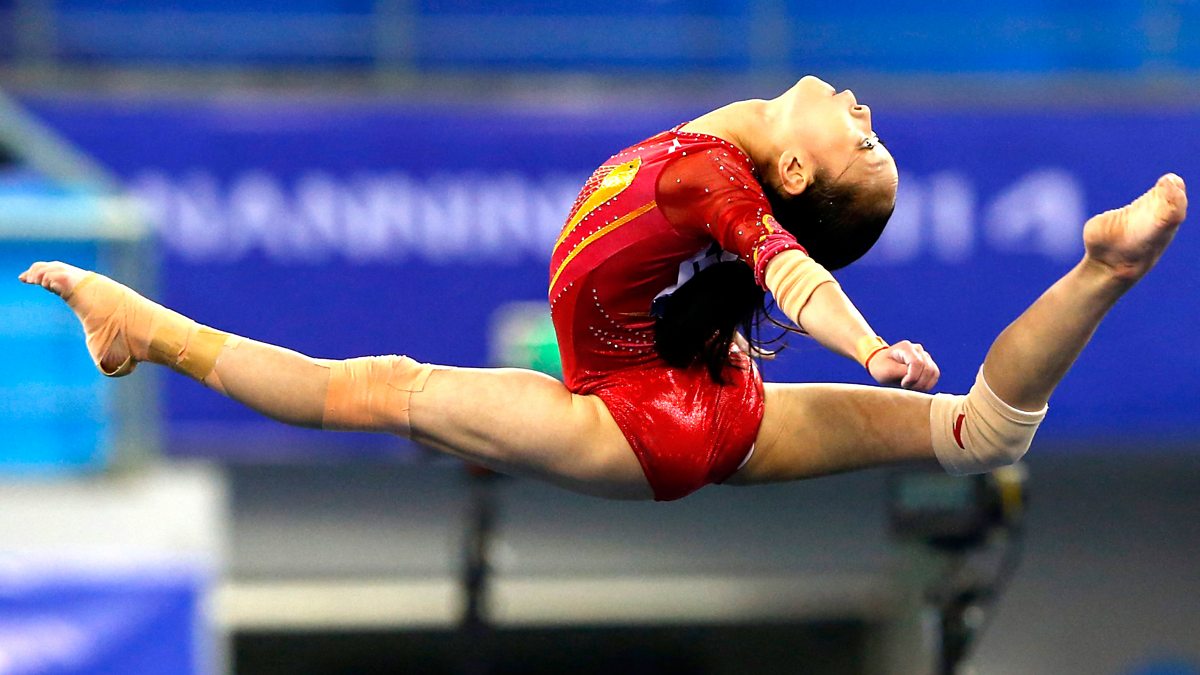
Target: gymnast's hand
x: 906, y: 364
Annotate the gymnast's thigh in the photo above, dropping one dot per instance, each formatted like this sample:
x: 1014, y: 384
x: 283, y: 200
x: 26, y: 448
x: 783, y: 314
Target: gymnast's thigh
x: 525, y: 423
x: 811, y: 430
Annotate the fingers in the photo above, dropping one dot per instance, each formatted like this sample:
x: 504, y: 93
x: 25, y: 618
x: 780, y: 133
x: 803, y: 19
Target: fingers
x: 929, y: 378
x: 916, y: 368
x: 906, y: 364
x: 922, y: 372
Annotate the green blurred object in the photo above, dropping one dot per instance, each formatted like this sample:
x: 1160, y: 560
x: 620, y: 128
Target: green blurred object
x: 522, y: 336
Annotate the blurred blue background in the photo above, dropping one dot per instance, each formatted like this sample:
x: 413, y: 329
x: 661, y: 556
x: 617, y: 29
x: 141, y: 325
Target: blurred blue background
x: 1022, y: 36
x: 362, y: 177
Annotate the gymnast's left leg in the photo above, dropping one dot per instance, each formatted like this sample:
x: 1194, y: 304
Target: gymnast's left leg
x: 515, y: 421
x: 815, y: 429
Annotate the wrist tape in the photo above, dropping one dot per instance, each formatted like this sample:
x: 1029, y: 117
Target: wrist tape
x: 867, y: 347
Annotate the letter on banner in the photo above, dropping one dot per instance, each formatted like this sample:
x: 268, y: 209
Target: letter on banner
x: 1041, y: 213
x: 952, y: 216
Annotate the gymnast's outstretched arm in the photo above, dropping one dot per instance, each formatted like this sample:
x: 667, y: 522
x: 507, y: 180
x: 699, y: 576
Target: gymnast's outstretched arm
x: 813, y: 300
x: 815, y: 429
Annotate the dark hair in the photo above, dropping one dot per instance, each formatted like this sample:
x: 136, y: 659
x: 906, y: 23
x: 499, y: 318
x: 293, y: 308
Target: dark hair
x: 834, y: 222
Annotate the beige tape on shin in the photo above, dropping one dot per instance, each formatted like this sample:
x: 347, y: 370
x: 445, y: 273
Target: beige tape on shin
x: 792, y: 277
x: 373, y: 393
x: 213, y: 379
x: 109, y: 310
x: 979, y: 432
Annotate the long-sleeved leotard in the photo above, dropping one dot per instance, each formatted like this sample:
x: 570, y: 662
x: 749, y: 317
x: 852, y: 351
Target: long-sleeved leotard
x: 643, y: 223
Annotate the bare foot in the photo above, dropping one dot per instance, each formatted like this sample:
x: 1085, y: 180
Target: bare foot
x: 62, y: 280
x: 57, y: 277
x: 1130, y: 240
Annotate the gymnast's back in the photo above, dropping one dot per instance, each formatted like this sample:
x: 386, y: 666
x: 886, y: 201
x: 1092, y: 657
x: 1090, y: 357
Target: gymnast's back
x: 643, y: 224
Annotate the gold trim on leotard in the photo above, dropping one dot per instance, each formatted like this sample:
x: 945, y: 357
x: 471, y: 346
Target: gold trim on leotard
x: 613, y: 184
x: 597, y: 234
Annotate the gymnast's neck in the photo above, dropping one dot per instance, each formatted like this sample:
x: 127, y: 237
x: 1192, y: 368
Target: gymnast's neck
x: 755, y: 126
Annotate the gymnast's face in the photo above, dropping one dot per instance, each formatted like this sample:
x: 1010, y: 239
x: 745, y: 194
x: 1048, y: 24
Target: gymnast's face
x: 826, y: 133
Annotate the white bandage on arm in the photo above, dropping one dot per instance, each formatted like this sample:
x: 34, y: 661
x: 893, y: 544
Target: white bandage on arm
x: 979, y: 432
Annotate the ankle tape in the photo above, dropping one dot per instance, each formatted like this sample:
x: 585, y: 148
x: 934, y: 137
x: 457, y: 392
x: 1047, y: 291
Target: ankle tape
x: 152, y: 332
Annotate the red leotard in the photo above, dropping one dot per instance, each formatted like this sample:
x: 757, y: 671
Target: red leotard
x: 649, y: 210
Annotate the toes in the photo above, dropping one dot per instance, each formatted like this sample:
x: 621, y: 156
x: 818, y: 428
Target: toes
x: 36, y: 271
x: 33, y: 275
x: 1172, y: 188
x: 54, y: 276
x: 1173, y: 194
x: 52, y: 283
x: 1172, y: 179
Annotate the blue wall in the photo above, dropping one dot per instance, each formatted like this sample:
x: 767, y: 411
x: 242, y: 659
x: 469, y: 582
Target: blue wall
x: 663, y: 36
x: 343, y: 229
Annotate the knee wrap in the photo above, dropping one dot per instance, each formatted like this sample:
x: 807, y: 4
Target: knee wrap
x: 373, y: 393
x: 979, y: 432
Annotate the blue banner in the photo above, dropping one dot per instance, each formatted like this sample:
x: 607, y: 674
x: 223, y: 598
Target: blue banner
x: 90, y: 620
x: 345, y: 228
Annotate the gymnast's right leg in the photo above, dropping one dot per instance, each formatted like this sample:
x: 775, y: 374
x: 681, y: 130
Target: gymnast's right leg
x: 514, y: 421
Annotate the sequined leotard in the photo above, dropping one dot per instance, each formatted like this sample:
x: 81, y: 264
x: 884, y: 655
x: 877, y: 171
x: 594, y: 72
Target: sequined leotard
x: 641, y: 224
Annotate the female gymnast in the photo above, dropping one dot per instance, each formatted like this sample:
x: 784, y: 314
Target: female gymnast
x: 662, y: 263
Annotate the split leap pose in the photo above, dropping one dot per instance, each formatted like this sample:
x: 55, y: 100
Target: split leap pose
x: 660, y: 267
